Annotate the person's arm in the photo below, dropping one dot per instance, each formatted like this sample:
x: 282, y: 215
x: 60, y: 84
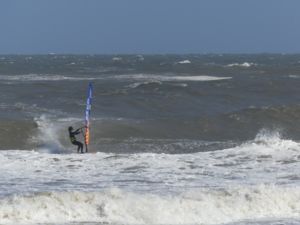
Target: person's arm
x: 78, y: 131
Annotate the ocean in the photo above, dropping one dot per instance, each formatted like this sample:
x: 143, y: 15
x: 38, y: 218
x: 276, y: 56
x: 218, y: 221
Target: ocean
x: 175, y: 139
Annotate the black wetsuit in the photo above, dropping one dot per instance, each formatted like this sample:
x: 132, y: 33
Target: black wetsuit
x: 74, y: 141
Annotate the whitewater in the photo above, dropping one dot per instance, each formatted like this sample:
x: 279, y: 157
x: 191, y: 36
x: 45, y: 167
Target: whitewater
x: 175, y: 139
x: 255, y: 181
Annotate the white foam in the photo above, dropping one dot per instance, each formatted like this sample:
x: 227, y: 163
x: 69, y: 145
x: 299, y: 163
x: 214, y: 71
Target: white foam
x: 294, y: 76
x: 157, y: 78
x: 196, y: 78
x: 201, y: 188
x: 270, y: 143
x: 44, y: 77
x: 140, y: 57
x: 138, y: 84
x: 117, y: 59
x: 186, y: 61
x: 143, y: 77
x: 202, y: 206
x: 245, y: 64
x: 268, y: 159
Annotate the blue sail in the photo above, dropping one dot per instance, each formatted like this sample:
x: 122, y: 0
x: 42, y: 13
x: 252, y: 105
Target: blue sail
x: 87, y: 115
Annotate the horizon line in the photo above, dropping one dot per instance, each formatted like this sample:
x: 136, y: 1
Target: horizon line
x: 126, y: 54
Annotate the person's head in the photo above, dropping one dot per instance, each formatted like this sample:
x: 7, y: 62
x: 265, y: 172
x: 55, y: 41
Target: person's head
x: 70, y: 128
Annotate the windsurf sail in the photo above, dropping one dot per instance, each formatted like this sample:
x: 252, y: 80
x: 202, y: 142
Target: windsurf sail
x: 87, y: 116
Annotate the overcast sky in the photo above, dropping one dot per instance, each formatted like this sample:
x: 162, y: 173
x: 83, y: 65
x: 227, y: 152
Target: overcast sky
x: 149, y: 26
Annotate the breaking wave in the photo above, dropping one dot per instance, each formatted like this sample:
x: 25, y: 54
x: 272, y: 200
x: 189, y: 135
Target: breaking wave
x: 186, y: 61
x: 149, y: 77
x: 144, y: 77
x: 245, y: 64
x: 114, y: 206
x: 43, y: 77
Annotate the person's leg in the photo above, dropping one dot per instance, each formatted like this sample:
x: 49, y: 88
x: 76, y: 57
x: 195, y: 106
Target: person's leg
x: 81, y: 147
x: 78, y: 147
x: 78, y: 144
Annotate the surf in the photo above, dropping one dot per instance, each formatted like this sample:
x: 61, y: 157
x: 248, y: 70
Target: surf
x: 114, y: 206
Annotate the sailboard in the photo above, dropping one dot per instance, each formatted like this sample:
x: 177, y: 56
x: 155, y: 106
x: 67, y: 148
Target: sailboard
x: 87, y: 116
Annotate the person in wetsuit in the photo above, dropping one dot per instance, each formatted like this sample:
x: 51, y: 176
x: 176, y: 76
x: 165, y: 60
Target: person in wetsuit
x: 73, y: 138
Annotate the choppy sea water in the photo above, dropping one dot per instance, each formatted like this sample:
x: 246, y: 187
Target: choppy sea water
x: 175, y: 139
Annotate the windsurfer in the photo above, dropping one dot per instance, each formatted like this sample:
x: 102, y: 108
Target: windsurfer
x: 73, y: 138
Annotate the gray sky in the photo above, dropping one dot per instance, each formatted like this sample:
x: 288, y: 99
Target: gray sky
x: 149, y: 26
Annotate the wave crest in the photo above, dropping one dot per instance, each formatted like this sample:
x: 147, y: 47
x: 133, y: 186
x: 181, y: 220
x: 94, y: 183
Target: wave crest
x: 204, y: 206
